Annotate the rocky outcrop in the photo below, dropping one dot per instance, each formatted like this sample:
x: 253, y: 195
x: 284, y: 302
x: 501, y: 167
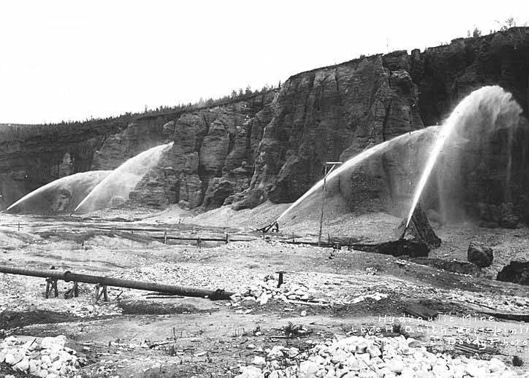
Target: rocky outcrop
x: 34, y: 155
x: 330, y: 114
x: 273, y: 145
x: 212, y: 158
x: 333, y: 113
x: 139, y: 135
x: 445, y: 74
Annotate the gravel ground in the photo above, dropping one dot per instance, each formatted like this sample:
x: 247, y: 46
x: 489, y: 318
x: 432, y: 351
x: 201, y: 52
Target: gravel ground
x: 327, y: 294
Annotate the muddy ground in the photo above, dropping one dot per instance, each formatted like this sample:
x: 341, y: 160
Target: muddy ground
x: 137, y: 334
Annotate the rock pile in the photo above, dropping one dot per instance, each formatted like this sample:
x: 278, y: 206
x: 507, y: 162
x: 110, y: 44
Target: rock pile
x: 267, y: 290
x: 370, y: 356
x: 295, y: 292
x: 47, y: 358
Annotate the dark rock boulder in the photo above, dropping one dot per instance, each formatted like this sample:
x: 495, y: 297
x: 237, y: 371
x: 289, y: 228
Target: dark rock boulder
x: 516, y: 272
x: 480, y: 254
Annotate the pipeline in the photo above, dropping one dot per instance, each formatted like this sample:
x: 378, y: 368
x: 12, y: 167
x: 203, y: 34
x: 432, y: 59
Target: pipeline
x: 117, y: 282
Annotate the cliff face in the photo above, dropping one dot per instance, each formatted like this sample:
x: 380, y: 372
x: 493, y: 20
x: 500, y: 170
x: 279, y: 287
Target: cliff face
x: 34, y: 155
x: 212, y: 158
x: 335, y: 112
x: 446, y: 74
x: 331, y: 114
x: 274, y: 145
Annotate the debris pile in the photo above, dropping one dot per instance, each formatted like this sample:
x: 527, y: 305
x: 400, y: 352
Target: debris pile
x: 370, y: 356
x: 296, y: 292
x: 268, y: 289
x: 47, y: 358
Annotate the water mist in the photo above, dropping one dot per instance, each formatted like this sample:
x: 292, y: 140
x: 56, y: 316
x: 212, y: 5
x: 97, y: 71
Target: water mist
x: 117, y: 186
x: 476, y: 116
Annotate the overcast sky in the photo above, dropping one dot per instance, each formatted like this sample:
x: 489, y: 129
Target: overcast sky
x: 72, y: 60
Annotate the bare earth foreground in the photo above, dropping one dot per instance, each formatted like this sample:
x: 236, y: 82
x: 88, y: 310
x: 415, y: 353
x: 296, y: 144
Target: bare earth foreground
x: 308, y: 324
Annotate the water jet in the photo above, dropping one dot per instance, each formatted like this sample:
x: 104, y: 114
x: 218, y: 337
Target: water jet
x: 116, y: 186
x: 59, y: 196
x: 478, y: 116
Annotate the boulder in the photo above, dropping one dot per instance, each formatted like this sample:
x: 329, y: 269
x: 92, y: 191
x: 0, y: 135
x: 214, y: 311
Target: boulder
x: 516, y: 272
x: 250, y: 372
x: 480, y: 254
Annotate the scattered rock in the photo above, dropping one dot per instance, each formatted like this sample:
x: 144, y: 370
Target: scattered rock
x: 517, y: 361
x: 48, y: 358
x: 480, y: 254
x: 250, y: 372
x: 308, y: 369
x: 268, y: 290
x: 259, y: 361
x: 373, y: 356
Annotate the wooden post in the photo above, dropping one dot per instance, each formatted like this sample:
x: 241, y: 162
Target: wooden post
x: 73, y: 292
x: 101, y: 290
x: 165, y: 237
x: 51, y: 285
x: 280, y: 279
